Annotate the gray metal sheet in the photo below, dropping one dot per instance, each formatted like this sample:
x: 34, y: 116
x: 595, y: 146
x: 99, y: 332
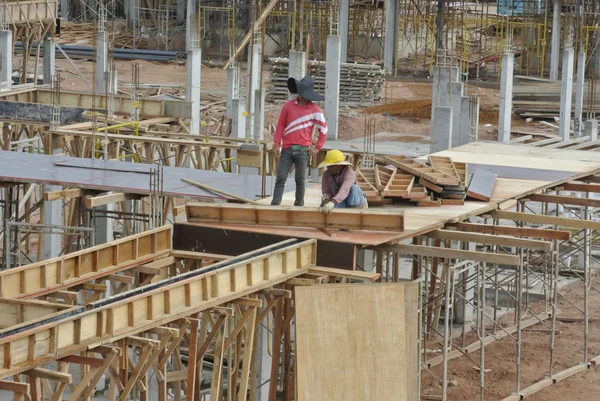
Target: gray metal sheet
x: 132, y: 178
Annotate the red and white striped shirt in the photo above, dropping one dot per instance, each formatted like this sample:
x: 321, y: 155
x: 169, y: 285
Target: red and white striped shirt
x: 296, y: 122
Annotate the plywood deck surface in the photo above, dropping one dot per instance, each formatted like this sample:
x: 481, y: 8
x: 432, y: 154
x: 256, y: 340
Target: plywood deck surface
x: 341, y: 352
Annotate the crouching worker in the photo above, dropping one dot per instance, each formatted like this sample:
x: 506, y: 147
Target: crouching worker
x: 339, y: 187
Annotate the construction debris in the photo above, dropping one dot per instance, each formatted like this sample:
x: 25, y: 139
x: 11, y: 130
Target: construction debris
x: 360, y: 84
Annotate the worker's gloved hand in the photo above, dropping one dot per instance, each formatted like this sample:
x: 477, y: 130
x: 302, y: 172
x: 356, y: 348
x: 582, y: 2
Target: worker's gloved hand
x: 327, y: 208
x: 324, y: 200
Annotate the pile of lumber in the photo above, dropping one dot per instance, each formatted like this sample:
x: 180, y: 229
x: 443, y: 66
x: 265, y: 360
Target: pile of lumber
x: 441, y: 182
x: 361, y: 84
x: 540, y: 98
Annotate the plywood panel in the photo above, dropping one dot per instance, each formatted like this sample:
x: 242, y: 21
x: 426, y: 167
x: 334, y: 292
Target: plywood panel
x: 411, y: 316
x: 351, y: 342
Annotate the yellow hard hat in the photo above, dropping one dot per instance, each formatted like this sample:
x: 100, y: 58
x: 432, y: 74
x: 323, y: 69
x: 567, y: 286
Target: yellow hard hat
x: 334, y: 158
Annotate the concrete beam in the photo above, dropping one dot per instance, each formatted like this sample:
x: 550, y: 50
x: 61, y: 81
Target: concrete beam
x: 332, y: 86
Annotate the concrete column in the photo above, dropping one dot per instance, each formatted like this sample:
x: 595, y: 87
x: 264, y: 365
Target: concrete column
x: 103, y: 225
x: 233, y: 87
x: 255, y: 79
x: 332, y: 86
x: 259, y: 114
x: 52, y: 215
x: 238, y: 120
x: 49, y: 60
x: 132, y: 14
x: 264, y: 360
x: 578, y: 120
x: 192, y: 92
x: 468, y: 110
x: 506, y: 93
x: 441, y: 131
x: 64, y: 9
x: 591, y: 129
x: 6, y: 53
x: 440, y: 96
x: 181, y: 10
x: 555, y: 44
x: 297, y: 64
x: 566, y: 94
x: 390, y: 47
x: 456, y: 96
x: 343, y: 28
x: 101, y: 62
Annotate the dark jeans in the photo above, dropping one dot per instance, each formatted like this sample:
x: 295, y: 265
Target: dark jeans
x: 290, y: 157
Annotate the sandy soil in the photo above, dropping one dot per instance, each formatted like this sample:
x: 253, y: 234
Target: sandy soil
x: 500, y: 356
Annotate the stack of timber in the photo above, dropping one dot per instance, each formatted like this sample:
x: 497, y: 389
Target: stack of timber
x: 540, y: 98
x: 361, y: 84
x: 442, y: 182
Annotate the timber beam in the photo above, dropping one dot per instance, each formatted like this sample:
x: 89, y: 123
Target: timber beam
x: 548, y: 220
x: 502, y: 240
x: 139, y: 310
x: 580, y: 187
x: 422, y: 250
x: 108, y: 199
x: 514, y: 231
x: 564, y: 200
x: 65, y: 194
x: 351, y: 219
x: 52, y: 275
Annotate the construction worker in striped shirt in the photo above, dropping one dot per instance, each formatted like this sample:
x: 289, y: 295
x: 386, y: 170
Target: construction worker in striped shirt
x: 339, y: 186
x: 294, y: 136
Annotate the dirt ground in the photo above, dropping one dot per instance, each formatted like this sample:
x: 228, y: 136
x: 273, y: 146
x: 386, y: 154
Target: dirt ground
x: 500, y: 380
x: 352, y: 120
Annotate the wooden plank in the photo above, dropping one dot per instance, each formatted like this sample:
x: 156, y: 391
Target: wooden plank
x: 352, y: 274
x: 581, y: 187
x: 482, y: 185
x: 544, y: 219
x: 418, y: 169
x: 50, y: 375
x: 503, y: 240
x: 514, y: 231
x: 19, y: 388
x: 564, y: 200
x: 332, y: 323
x: 106, y: 199
x: 64, y: 194
x: 352, y: 219
x: 423, y: 250
x: 197, y: 255
x: 411, y: 316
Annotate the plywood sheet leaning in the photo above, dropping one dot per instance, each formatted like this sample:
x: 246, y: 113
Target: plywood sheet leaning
x: 418, y: 169
x: 351, y: 342
x: 482, y: 185
x: 351, y: 219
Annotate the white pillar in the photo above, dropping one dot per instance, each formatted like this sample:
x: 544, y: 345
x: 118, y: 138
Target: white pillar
x: 101, y: 62
x: 192, y: 93
x: 49, y: 60
x: 132, y: 14
x: 391, y: 34
x: 6, y: 53
x: 64, y: 9
x: 332, y: 86
x: 566, y: 94
x: 297, y: 64
x: 441, y: 129
x: 578, y: 120
x: 591, y: 129
x: 255, y: 80
x: 52, y: 215
x: 555, y: 44
x: 103, y: 224
x: 343, y: 22
x: 259, y: 114
x: 238, y: 120
x: 506, y: 92
x: 233, y: 88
